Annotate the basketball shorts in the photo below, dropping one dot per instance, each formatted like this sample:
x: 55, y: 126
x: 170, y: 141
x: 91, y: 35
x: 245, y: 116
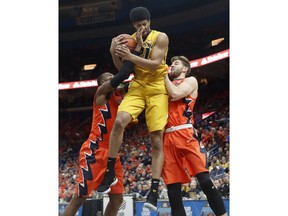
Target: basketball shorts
x: 92, y: 168
x: 184, y: 156
x: 153, y: 98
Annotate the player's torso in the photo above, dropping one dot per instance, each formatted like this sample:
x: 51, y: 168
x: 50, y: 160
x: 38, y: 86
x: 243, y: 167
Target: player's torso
x: 181, y: 111
x: 103, y: 119
x: 144, y: 74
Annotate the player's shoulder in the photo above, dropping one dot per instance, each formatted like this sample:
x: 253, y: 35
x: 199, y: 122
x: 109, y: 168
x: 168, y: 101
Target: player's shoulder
x: 191, y: 80
x: 163, y: 34
x: 159, y: 33
x: 162, y: 38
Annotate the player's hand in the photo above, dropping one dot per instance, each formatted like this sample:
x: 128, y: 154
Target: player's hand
x: 113, y: 45
x: 123, y: 52
x: 139, y: 39
x: 120, y: 40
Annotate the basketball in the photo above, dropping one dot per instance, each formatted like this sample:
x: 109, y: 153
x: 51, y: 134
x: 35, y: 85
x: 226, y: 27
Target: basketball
x: 130, y: 42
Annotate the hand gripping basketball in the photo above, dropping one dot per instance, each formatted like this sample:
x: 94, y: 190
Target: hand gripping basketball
x: 129, y: 41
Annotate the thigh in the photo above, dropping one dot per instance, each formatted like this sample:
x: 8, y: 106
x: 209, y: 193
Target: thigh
x: 134, y: 101
x: 173, y: 168
x: 92, y: 166
x: 156, y: 112
x: 195, y: 153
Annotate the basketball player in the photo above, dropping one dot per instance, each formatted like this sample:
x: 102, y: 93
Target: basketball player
x: 182, y: 147
x: 93, y: 155
x: 146, y: 91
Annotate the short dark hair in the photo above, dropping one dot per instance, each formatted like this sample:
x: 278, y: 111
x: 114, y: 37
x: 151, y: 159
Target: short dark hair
x: 102, y: 77
x: 184, y: 61
x: 139, y: 14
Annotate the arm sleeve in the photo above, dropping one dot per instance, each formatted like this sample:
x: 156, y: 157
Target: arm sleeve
x: 124, y: 72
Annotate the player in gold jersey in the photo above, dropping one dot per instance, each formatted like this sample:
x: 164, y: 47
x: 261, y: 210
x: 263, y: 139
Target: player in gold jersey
x: 146, y: 91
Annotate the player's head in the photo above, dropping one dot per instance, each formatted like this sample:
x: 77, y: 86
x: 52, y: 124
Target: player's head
x: 140, y: 18
x: 139, y: 14
x: 179, y: 64
x: 104, y: 77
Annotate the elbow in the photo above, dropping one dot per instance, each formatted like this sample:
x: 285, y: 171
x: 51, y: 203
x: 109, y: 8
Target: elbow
x: 174, y: 96
x: 100, y: 100
x: 155, y: 65
x: 99, y: 103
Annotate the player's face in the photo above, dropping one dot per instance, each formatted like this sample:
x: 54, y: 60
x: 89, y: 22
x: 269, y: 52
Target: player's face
x: 176, y: 69
x: 144, y: 25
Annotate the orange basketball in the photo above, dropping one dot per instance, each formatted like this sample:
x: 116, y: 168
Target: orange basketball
x: 130, y: 42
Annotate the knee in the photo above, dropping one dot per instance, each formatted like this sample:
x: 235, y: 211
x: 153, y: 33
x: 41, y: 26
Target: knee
x: 118, y: 125
x: 206, y: 183
x: 157, y: 140
x: 204, y: 180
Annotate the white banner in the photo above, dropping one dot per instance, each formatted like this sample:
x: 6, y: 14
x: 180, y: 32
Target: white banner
x: 194, y: 63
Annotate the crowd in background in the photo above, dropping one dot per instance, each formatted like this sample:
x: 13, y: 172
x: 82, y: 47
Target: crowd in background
x: 135, y: 151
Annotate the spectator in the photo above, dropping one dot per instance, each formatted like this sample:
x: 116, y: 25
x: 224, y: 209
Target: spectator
x: 194, y: 192
x: 213, y: 172
x: 225, y: 187
x: 162, y: 191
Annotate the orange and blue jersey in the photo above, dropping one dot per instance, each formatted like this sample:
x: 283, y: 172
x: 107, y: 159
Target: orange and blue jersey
x: 93, y: 154
x: 184, y: 155
x: 181, y: 111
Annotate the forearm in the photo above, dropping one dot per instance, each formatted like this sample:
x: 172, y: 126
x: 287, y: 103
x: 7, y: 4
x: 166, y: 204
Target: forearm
x: 145, y: 63
x: 117, y: 61
x: 173, y: 91
x: 124, y: 72
x: 169, y: 86
x: 102, y: 92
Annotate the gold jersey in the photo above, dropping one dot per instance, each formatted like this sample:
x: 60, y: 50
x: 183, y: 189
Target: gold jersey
x: 144, y: 74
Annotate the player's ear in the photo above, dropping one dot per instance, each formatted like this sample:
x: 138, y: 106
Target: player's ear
x: 185, y: 69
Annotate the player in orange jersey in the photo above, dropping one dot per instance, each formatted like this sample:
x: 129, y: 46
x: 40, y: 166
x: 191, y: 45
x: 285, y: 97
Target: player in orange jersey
x: 94, y: 153
x: 183, y: 150
x: 146, y: 91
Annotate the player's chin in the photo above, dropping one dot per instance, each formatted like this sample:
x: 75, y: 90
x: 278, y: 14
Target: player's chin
x: 171, y: 77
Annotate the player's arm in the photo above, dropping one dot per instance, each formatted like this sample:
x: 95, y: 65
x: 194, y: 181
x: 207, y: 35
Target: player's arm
x: 120, y: 40
x: 187, y: 87
x: 124, y: 72
x: 128, y: 66
x: 116, y: 60
x: 158, y: 54
x: 100, y: 97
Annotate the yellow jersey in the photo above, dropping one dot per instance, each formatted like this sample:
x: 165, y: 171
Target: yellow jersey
x: 145, y: 74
